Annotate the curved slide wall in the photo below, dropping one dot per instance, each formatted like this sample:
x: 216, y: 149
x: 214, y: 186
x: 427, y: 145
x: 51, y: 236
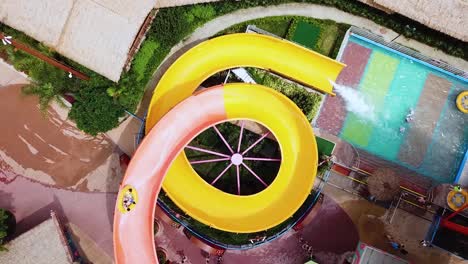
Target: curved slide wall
x: 176, y: 116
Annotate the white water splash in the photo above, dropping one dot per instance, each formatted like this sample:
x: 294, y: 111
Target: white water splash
x: 355, y: 102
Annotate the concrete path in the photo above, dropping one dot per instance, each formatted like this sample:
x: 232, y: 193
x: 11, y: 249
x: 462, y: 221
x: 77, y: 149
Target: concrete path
x: 405, y: 228
x: 315, y: 11
x: 10, y: 76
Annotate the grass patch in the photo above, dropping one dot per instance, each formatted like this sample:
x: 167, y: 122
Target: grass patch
x: 306, y: 34
x: 322, y: 36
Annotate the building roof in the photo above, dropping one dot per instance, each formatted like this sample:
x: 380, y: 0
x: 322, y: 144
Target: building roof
x: 367, y: 254
x: 448, y: 16
x: 44, y: 243
x: 95, y: 33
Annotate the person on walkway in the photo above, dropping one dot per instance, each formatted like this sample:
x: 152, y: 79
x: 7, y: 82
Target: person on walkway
x: 424, y: 243
x: 395, y: 245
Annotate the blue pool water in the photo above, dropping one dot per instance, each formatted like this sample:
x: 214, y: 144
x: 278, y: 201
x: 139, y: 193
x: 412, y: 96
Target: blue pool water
x: 432, y: 145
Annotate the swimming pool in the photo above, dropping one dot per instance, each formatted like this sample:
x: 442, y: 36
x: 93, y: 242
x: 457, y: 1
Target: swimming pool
x: 434, y: 140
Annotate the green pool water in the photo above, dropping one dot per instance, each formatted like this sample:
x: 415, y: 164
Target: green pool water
x: 393, y: 84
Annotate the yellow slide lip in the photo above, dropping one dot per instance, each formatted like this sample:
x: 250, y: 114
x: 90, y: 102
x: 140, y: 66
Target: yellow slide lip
x: 284, y: 196
x: 239, y: 50
x: 181, y: 116
x: 230, y: 51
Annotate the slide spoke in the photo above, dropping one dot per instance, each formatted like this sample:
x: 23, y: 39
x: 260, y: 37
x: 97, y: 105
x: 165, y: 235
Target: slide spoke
x: 238, y: 180
x: 261, y: 159
x: 208, y: 161
x: 221, y: 174
x: 256, y: 142
x: 208, y: 151
x: 240, y: 136
x: 223, y: 139
x: 253, y: 173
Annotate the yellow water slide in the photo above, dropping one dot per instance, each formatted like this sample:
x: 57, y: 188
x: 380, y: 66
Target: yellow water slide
x: 176, y: 116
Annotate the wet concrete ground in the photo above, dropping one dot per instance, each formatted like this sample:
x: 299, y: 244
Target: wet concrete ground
x: 48, y: 148
x: 46, y: 163
x: 332, y: 236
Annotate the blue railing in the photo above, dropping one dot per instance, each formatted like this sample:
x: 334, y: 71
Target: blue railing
x: 433, y: 228
x: 461, y: 168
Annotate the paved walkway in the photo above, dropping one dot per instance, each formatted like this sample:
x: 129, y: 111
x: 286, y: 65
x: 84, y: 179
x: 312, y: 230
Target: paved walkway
x: 405, y: 228
x: 10, y: 76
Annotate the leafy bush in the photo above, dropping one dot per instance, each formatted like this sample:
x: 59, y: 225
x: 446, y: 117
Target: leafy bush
x: 396, y: 22
x: 292, y: 29
x: 200, y: 12
x: 7, y: 226
x: 308, y: 102
x: 276, y: 25
x: 143, y: 57
x: 94, y: 111
x: 162, y: 257
x: 48, y: 82
x: 46, y: 93
x: 328, y: 39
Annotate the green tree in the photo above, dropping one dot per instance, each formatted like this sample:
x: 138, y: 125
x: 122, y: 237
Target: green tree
x: 7, y: 226
x: 46, y: 93
x: 94, y: 111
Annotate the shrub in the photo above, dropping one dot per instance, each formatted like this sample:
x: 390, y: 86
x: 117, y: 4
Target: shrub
x: 200, y: 12
x: 94, y: 111
x: 292, y: 29
x: 143, y: 57
x: 7, y: 226
x: 308, y: 102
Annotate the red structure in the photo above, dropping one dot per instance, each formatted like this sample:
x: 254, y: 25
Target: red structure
x: 453, y: 226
